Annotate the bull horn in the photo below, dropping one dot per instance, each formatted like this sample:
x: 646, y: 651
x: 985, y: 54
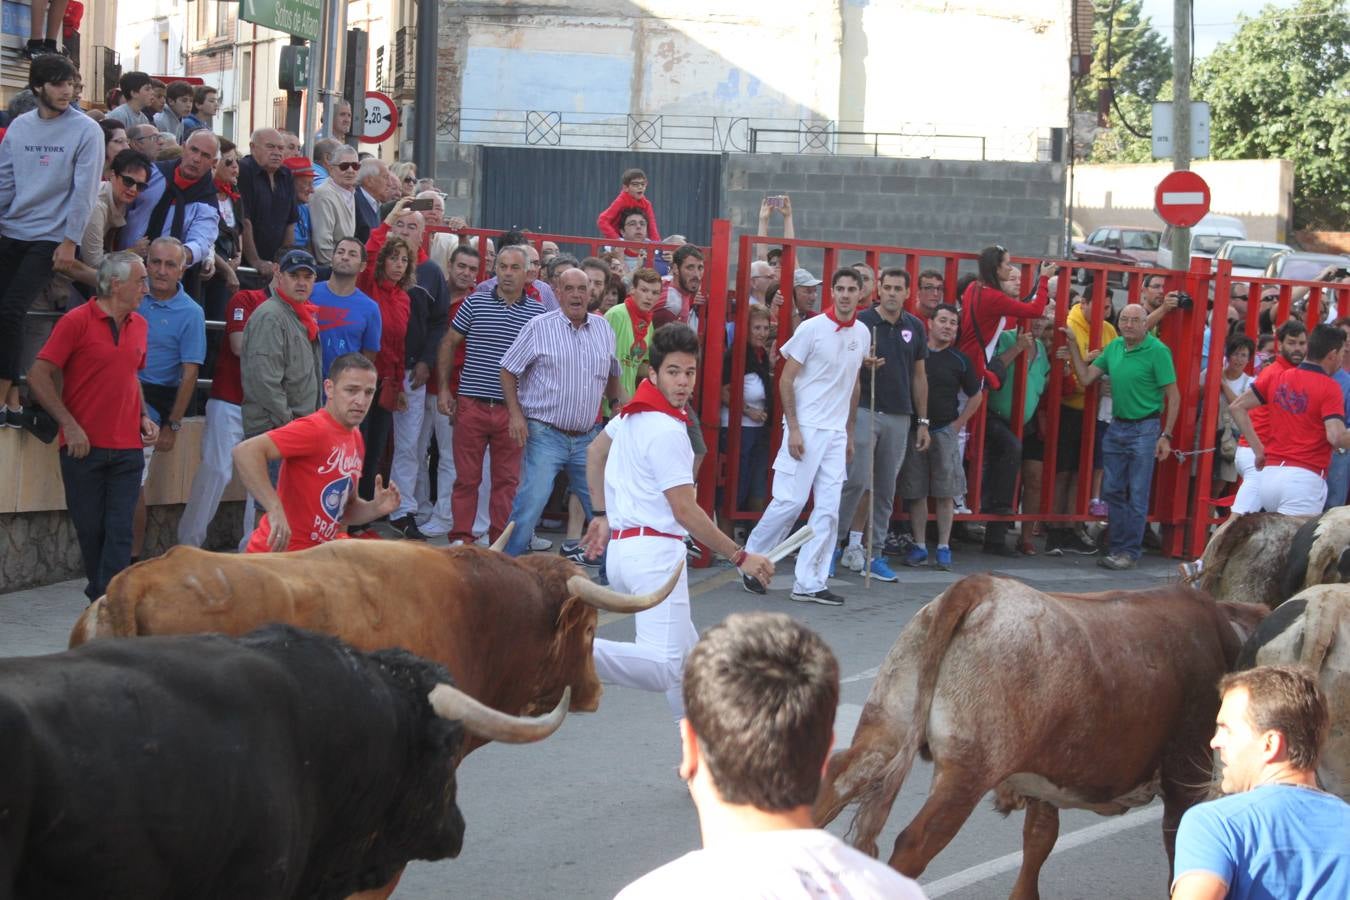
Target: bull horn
x: 500, y: 543
x: 614, y: 601
x: 450, y: 702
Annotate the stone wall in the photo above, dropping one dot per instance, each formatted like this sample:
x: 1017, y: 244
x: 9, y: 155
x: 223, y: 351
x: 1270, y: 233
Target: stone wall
x: 920, y: 203
x: 39, y: 548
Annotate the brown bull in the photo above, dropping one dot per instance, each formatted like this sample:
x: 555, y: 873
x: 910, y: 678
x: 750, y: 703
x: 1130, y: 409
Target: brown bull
x: 1083, y: 701
x: 1246, y: 559
x: 513, y: 632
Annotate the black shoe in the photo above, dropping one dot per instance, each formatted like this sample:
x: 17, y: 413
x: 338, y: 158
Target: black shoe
x: 573, y: 553
x: 751, y: 584
x: 897, y: 544
x: 1074, y: 542
x: 407, y: 526
x: 13, y: 418
x: 824, y: 596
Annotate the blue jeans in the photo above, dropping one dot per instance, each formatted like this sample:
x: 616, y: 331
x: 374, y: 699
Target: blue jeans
x: 1127, y: 454
x: 101, y: 492
x: 547, y: 452
x: 1338, y: 479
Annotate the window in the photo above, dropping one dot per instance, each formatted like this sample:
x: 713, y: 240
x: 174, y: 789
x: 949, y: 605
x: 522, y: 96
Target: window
x: 245, y: 76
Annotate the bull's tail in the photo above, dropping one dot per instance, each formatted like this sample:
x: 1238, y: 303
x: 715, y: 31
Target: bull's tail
x: 952, y: 608
x: 1321, y: 621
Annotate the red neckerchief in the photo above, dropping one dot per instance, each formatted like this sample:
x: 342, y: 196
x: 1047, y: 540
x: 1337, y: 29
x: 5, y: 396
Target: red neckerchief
x: 839, y: 324
x: 182, y: 182
x: 224, y: 187
x: 305, y: 312
x: 760, y: 353
x: 642, y: 321
x: 648, y: 399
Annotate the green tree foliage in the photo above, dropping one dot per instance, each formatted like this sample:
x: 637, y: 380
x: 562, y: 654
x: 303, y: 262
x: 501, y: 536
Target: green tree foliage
x: 1140, y: 60
x: 1117, y: 144
x: 1280, y: 89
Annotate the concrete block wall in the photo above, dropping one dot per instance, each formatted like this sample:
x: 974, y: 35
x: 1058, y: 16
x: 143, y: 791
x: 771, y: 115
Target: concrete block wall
x: 921, y: 203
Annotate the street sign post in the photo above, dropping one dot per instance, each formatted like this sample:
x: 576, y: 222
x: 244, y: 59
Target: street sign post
x: 1182, y: 199
x: 300, y: 18
x: 381, y: 118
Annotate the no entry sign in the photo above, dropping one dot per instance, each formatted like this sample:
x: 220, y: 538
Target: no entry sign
x: 1182, y: 199
x: 381, y: 118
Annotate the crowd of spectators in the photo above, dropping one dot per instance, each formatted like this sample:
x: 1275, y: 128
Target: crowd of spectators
x: 489, y: 387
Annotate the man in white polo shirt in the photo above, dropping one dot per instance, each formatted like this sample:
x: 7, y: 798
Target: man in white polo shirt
x: 650, y: 508
x: 820, y: 388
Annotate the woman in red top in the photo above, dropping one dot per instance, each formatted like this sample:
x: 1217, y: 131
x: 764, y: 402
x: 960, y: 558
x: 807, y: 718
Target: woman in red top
x: 386, y: 276
x: 985, y: 309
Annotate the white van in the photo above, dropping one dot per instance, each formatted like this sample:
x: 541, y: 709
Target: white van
x: 1206, y: 238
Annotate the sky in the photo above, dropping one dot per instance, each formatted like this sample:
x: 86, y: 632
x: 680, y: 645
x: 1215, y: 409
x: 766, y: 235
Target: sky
x: 1215, y: 20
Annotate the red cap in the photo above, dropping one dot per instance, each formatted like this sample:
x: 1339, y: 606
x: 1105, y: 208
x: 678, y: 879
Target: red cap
x: 299, y: 165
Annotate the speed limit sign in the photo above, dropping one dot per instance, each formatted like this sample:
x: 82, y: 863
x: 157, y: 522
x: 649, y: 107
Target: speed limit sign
x: 381, y: 118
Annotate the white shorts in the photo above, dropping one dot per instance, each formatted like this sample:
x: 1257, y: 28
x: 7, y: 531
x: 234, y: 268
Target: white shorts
x: 1292, y: 490
x: 1248, y: 497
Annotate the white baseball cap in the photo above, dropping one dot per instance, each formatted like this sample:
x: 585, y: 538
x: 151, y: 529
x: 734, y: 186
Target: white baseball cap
x: 803, y: 278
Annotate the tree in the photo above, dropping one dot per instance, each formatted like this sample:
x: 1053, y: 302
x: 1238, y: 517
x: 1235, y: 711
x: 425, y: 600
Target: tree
x: 1280, y: 89
x: 1117, y: 144
x: 1140, y: 60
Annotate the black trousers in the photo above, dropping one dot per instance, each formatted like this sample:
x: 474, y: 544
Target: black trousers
x: 1002, y: 460
x: 25, y: 269
x: 101, y: 492
x: 376, y: 429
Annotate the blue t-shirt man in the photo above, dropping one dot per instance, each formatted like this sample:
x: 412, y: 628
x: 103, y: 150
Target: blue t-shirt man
x: 176, y: 335
x: 1275, y: 841
x: 347, y: 323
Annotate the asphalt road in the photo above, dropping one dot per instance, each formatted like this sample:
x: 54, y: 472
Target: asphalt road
x: 599, y: 803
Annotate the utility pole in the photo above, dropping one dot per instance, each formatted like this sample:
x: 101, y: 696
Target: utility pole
x: 424, y: 89
x: 1181, y: 117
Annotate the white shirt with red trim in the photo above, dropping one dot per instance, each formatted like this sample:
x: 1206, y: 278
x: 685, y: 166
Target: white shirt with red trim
x: 651, y: 453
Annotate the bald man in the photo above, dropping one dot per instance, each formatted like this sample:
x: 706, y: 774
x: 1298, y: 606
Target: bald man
x: 1145, y: 402
x: 270, y: 207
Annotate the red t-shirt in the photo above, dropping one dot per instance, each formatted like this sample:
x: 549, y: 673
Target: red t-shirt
x: 98, y: 373
x: 1261, y: 415
x: 1300, y: 401
x: 321, y: 465
x: 225, y: 384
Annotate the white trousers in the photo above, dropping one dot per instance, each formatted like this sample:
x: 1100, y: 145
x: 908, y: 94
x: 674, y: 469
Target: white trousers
x: 410, y: 448
x: 434, y: 517
x: 820, y: 472
x: 224, y: 430
x: 665, y: 633
x: 1248, y: 497
x: 1292, y: 490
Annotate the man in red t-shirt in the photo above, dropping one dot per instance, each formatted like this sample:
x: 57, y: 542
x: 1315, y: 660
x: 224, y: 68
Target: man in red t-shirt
x: 224, y: 427
x: 1306, y: 422
x: 99, y: 348
x: 315, y: 498
x: 1293, y: 338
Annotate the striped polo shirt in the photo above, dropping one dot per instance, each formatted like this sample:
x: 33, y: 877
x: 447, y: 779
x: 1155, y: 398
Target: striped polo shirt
x: 563, y: 369
x: 489, y: 327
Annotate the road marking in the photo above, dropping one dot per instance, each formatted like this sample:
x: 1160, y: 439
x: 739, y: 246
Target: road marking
x: 867, y: 675
x: 986, y: 870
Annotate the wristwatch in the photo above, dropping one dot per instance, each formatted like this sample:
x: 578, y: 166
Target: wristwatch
x: 1166, y: 434
x: 924, y: 422
x: 175, y: 424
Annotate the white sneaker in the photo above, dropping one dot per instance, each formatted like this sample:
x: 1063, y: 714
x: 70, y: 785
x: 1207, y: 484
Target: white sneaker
x: 853, y: 558
x: 483, y: 541
x: 539, y: 544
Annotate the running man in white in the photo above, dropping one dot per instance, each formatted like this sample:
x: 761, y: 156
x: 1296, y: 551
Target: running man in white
x: 820, y: 388
x: 643, y: 464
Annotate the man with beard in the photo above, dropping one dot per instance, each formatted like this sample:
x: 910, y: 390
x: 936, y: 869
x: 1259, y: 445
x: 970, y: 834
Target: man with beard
x: 50, y: 166
x: 1293, y: 344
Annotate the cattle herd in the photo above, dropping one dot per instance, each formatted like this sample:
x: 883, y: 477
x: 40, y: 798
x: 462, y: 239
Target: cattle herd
x: 332, y: 719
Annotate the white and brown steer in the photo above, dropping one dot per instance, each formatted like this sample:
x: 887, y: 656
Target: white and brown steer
x: 1054, y: 701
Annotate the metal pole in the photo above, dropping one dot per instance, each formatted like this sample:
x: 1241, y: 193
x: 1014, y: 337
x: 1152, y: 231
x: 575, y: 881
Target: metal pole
x: 1181, y: 117
x: 424, y: 95
x: 334, y: 52
x: 871, y: 475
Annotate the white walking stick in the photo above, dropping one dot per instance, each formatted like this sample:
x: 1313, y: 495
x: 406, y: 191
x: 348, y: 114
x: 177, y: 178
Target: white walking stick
x: 791, y: 543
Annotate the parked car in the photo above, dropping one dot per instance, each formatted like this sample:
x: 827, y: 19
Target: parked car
x: 1250, y: 258
x: 1296, y: 265
x: 1211, y: 233
x: 1118, y: 245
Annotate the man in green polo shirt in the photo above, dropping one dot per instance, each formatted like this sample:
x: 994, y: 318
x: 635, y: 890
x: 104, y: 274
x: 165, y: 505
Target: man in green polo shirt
x: 1143, y: 388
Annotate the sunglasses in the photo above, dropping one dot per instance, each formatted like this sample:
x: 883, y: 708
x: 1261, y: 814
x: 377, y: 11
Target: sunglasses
x: 349, y: 166
x: 130, y: 182
x: 409, y: 181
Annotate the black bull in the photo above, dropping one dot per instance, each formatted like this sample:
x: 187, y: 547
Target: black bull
x: 281, y: 764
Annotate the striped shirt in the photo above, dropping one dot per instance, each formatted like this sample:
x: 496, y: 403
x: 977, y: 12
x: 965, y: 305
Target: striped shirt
x: 563, y: 369
x: 489, y: 326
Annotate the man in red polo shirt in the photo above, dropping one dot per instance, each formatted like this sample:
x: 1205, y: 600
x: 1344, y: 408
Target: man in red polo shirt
x: 1293, y: 344
x: 224, y: 427
x: 315, y: 498
x: 1306, y: 422
x: 98, y: 348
